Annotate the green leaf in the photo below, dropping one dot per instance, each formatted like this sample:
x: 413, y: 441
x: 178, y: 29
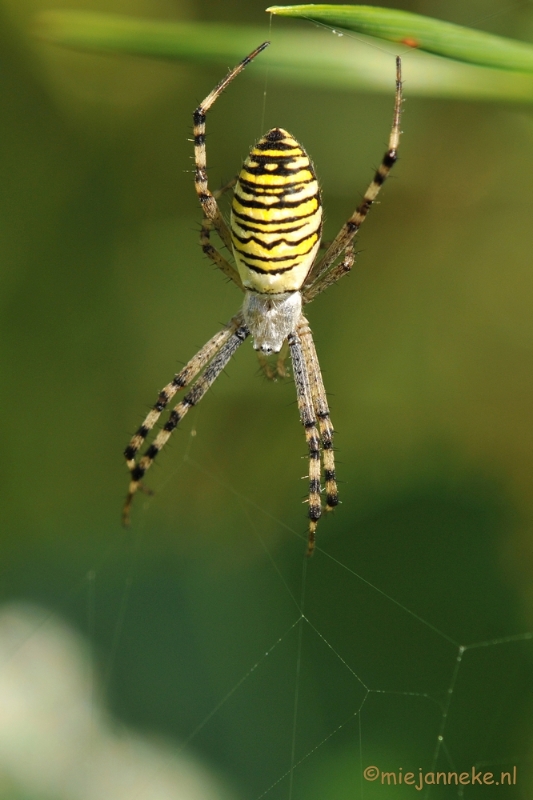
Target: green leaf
x: 424, y: 33
x: 312, y: 58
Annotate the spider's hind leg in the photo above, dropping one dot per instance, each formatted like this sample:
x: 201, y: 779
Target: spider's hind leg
x: 321, y: 408
x: 308, y: 420
x: 213, y: 356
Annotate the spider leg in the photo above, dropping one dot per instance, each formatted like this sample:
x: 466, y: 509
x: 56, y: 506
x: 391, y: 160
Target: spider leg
x: 179, y: 381
x: 308, y: 420
x: 211, y: 252
x: 206, y: 197
x: 218, y: 351
x: 320, y: 404
x: 216, y: 257
x: 350, y: 228
x: 280, y: 370
x: 227, y: 186
x: 329, y: 278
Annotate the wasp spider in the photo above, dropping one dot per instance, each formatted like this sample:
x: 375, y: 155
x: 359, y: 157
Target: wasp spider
x: 274, y: 235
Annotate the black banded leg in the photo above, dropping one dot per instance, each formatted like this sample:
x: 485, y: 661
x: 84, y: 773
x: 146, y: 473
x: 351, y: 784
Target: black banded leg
x: 350, y: 228
x: 211, y: 252
x: 329, y: 278
x: 308, y: 419
x: 219, y: 357
x: 216, y: 257
x: 206, y: 197
x: 320, y: 403
x: 179, y: 381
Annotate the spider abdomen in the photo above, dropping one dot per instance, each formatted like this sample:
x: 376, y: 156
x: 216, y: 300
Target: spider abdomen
x: 276, y: 215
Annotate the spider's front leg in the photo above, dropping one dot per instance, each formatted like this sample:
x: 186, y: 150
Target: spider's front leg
x: 349, y: 229
x: 208, y: 199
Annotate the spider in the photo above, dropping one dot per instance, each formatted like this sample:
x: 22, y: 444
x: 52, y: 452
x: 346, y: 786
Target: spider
x: 274, y: 234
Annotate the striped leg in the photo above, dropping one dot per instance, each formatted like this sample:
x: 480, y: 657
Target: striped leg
x: 308, y: 419
x: 320, y: 403
x: 216, y: 257
x: 218, y: 351
x: 350, y: 228
x: 180, y: 381
x: 206, y: 197
x: 329, y: 278
x: 210, y: 251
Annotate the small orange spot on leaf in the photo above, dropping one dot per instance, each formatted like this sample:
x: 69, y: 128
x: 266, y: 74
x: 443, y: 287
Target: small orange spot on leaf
x: 410, y: 42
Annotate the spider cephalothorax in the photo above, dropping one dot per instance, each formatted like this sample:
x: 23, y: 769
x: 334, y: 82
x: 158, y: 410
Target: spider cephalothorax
x: 274, y: 235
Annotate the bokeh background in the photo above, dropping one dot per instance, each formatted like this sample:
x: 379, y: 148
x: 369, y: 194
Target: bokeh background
x: 427, y: 353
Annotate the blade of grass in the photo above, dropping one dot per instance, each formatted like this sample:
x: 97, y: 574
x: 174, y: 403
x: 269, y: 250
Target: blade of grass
x: 425, y: 33
x: 305, y: 57
x: 114, y: 33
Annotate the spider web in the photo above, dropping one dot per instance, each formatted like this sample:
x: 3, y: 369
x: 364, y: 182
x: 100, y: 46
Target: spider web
x: 408, y: 695
x: 375, y: 687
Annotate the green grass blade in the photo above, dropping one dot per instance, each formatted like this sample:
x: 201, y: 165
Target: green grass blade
x: 114, y: 33
x: 433, y: 35
x: 303, y: 57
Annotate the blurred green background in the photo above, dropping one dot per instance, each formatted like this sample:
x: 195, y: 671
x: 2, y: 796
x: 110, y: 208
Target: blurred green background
x: 427, y: 353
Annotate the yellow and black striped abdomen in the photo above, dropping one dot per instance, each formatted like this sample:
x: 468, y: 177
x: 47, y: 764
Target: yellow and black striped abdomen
x: 276, y: 215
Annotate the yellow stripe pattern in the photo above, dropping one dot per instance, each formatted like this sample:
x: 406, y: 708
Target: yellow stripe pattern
x: 276, y: 215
